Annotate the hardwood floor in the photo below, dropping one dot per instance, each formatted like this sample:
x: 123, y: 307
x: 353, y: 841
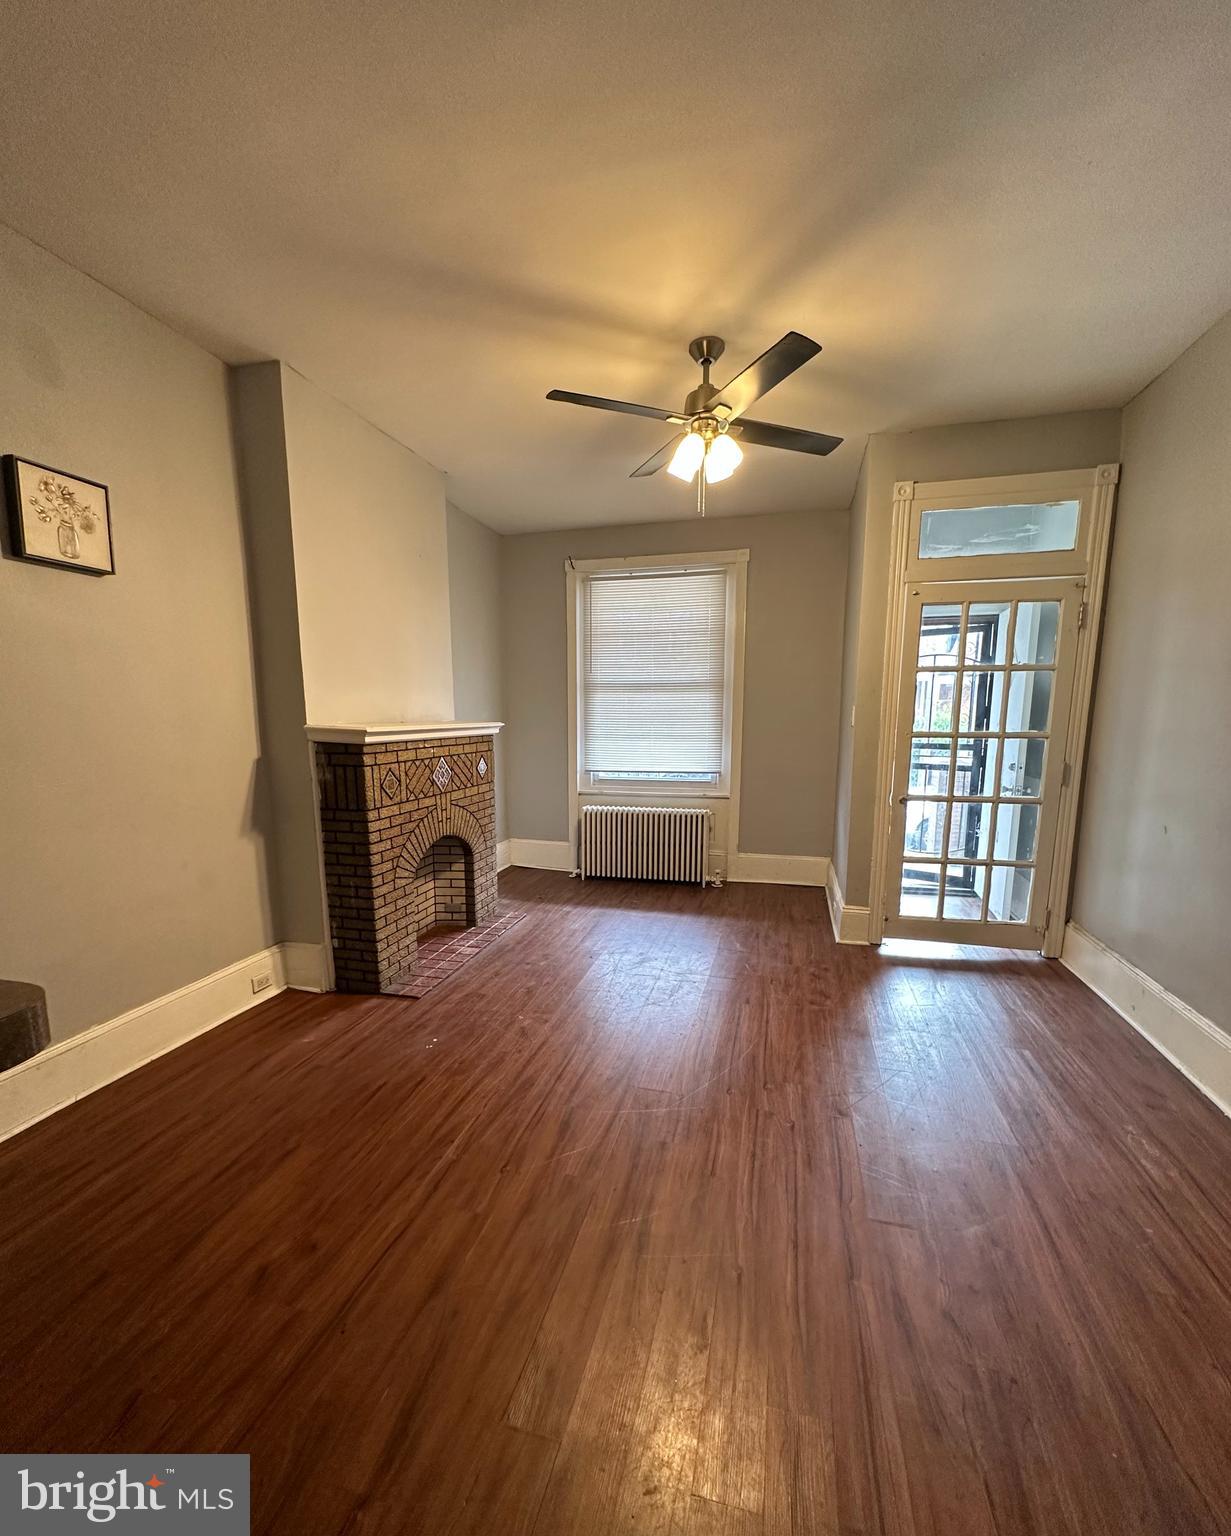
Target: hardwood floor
x: 665, y: 1215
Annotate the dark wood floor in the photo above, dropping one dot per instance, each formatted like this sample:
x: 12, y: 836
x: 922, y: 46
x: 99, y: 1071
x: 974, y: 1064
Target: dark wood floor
x: 665, y: 1215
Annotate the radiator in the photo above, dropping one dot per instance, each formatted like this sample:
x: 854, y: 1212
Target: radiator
x: 633, y: 842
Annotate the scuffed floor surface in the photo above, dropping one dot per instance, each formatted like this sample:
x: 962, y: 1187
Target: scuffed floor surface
x: 665, y: 1215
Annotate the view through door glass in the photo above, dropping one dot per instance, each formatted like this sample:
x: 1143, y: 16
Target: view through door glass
x: 985, y: 678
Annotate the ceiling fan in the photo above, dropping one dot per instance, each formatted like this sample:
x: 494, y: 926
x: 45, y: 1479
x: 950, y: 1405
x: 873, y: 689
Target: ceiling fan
x: 713, y: 419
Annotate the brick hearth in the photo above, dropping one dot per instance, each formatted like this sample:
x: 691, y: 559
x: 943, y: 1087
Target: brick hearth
x: 408, y: 835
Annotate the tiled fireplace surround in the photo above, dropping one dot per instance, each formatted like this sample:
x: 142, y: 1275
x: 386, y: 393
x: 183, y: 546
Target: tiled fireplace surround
x: 408, y: 840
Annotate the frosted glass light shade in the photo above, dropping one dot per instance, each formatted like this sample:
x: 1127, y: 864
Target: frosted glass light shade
x: 686, y: 460
x: 723, y: 459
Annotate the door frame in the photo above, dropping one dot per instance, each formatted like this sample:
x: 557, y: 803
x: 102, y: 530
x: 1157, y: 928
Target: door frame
x: 1095, y: 490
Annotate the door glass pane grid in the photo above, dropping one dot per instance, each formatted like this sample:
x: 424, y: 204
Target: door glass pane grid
x: 920, y: 887
x: 1036, y: 630
x: 987, y: 634
x: 925, y: 828
x: 931, y: 760
x: 980, y: 699
x: 964, y: 891
x: 975, y: 761
x: 1028, y: 700
x: 970, y: 829
x: 1021, y: 767
x: 939, y: 636
x: 983, y: 636
x: 1017, y: 831
x: 991, y: 688
x: 953, y: 867
x: 1009, y: 892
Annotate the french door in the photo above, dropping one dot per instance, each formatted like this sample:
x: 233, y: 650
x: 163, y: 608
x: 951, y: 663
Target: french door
x: 983, y: 716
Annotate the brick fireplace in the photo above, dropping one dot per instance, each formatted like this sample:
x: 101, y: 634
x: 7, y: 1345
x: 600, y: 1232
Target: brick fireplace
x: 408, y: 841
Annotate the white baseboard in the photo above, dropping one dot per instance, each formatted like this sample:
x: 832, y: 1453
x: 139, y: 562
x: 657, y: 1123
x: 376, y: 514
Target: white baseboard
x: 503, y: 855
x: 305, y: 967
x: 851, y: 925
x: 1190, y: 1041
x: 72, y: 1068
x: 777, y: 869
x: 536, y: 853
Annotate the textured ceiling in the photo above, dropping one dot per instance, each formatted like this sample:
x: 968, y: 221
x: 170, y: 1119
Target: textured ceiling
x: 439, y: 213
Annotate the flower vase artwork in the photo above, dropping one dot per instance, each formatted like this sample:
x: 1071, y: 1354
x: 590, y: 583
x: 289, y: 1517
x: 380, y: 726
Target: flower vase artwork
x: 57, y: 503
x: 58, y: 519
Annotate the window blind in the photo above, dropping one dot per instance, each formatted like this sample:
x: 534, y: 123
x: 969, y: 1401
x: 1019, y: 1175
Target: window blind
x: 654, y: 673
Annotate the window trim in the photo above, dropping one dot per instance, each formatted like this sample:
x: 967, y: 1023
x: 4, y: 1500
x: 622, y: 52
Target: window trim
x: 663, y: 791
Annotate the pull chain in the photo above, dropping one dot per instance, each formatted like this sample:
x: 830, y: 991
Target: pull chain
x: 701, y: 484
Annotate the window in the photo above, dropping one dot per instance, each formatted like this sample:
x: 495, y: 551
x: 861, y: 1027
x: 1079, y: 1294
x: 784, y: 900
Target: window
x: 655, y: 660
x: 948, y: 532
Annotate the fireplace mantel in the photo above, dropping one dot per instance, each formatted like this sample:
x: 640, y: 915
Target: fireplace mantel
x: 408, y: 730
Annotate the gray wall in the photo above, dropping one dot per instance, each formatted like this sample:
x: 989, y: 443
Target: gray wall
x: 285, y: 777
x: 132, y: 839
x: 792, y: 675
x: 474, y: 619
x: 1154, y: 850
x: 1075, y: 440
x: 371, y: 566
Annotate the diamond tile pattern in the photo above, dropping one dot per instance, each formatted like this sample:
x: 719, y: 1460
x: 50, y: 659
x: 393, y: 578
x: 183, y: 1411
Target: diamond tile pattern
x: 441, y: 774
x: 391, y: 784
x: 418, y: 780
x: 481, y: 766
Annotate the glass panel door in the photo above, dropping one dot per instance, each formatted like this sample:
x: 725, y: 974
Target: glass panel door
x: 982, y: 724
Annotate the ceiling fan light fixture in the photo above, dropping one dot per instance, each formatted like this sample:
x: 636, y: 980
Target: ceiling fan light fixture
x: 707, y: 413
x: 686, y: 460
x: 723, y: 459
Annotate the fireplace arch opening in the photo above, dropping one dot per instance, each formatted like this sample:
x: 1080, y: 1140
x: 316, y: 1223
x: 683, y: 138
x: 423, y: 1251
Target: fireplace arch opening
x: 442, y: 893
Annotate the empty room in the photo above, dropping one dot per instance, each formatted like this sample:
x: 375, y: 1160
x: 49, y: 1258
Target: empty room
x: 615, y: 707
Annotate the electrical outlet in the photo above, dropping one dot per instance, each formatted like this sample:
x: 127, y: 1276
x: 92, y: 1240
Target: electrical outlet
x: 262, y: 980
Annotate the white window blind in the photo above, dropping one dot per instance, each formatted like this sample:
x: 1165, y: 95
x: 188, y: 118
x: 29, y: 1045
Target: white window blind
x: 654, y: 673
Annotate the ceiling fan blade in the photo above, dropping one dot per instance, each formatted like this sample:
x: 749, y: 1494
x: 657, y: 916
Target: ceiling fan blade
x: 782, y: 359
x: 654, y: 464
x: 624, y: 406
x: 766, y: 435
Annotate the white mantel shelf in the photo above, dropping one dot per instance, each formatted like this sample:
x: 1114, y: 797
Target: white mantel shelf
x: 407, y: 730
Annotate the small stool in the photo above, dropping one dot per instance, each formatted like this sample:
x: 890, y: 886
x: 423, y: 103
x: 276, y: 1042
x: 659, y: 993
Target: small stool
x: 23, y: 1022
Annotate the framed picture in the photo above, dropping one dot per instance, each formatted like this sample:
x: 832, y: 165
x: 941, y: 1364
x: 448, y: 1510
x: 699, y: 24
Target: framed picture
x: 58, y: 519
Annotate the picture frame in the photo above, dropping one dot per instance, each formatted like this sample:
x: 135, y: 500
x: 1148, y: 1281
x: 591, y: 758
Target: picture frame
x: 57, y: 518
